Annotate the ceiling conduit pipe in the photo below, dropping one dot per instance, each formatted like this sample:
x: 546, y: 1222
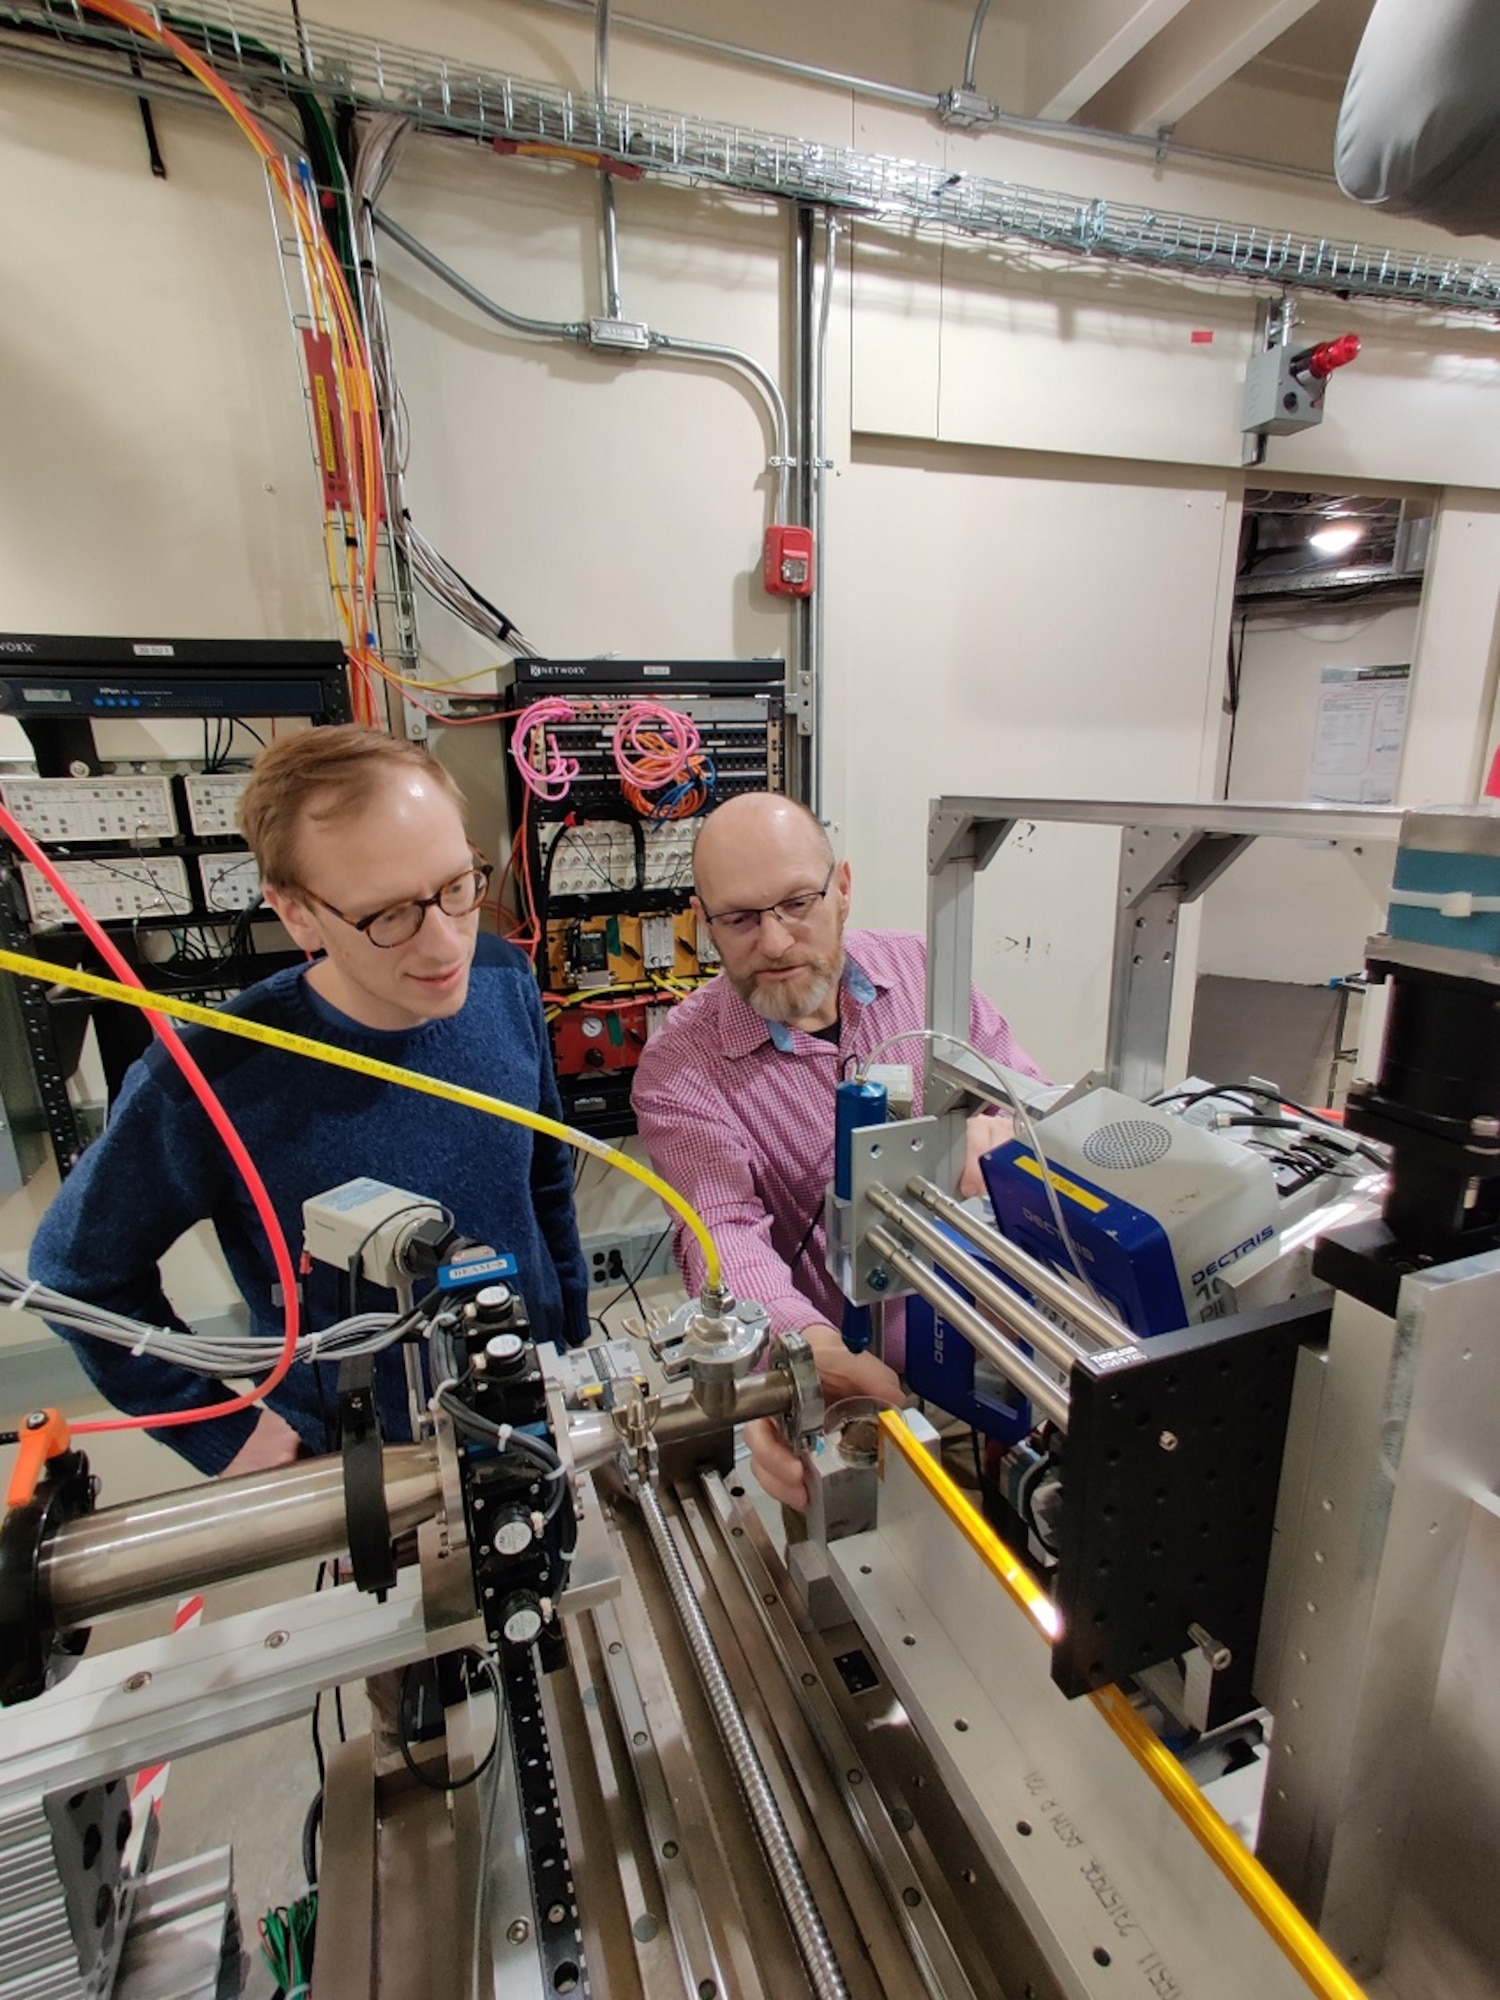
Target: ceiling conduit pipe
x: 802, y: 749
x: 821, y: 466
x: 717, y: 355
x: 1055, y: 129
x: 709, y: 351
x: 972, y: 55
x: 607, y: 216
x: 546, y: 329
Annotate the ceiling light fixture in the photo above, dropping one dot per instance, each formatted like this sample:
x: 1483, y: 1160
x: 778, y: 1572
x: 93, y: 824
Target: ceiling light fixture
x: 1336, y: 539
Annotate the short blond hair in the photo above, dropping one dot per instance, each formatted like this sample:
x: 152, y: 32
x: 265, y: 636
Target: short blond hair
x: 323, y: 775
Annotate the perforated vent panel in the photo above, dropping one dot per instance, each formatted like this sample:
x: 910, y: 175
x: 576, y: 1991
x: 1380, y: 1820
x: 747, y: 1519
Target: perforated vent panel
x: 1129, y: 1142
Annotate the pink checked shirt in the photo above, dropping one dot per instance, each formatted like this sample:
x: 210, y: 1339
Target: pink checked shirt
x: 738, y: 1114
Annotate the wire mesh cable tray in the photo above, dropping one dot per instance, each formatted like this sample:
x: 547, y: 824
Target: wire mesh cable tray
x: 260, y: 46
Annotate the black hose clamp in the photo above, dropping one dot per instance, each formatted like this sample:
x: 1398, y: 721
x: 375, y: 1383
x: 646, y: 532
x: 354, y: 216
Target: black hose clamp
x: 368, y: 1517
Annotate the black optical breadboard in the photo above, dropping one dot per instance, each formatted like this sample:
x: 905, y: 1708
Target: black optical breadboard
x: 1170, y: 1475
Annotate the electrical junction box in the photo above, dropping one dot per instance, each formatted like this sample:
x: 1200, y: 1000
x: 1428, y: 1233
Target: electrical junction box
x: 367, y: 1220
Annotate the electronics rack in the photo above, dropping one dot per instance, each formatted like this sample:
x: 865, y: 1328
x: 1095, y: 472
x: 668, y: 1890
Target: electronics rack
x: 609, y: 885
x: 150, y: 848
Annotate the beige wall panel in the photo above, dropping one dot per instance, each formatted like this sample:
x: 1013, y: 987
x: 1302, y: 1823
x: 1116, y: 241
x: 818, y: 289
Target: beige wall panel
x: 1016, y: 625
x: 609, y: 505
x: 1047, y: 358
x: 155, y: 469
x: 1453, y: 682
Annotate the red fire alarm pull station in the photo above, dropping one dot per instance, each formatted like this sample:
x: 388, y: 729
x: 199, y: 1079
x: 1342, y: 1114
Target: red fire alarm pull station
x: 788, y: 567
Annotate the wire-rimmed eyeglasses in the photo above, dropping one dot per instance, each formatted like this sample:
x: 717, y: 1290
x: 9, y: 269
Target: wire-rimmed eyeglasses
x: 791, y: 911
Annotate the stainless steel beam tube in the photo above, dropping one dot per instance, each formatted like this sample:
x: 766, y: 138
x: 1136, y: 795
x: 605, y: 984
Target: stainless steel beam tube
x: 592, y: 1438
x: 818, y: 1959
x: 155, y: 1548
x: 1022, y: 1266
x: 767, y: 1395
x: 975, y: 1328
x: 998, y: 1298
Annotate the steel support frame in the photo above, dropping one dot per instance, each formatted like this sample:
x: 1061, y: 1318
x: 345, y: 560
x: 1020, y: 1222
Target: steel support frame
x: 1115, y: 1890
x: 1383, y: 1623
x: 1169, y: 854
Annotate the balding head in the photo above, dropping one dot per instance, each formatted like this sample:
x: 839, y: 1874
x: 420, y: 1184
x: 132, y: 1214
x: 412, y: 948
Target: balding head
x: 756, y: 856
x: 751, y: 825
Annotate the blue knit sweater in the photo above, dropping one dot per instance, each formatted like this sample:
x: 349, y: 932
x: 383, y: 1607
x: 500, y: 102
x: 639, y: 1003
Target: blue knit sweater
x: 159, y: 1167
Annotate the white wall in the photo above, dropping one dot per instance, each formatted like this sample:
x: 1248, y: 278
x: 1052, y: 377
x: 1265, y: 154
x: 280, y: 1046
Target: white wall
x: 1036, y: 490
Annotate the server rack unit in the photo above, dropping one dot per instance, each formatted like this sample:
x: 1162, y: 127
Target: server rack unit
x: 150, y: 848
x: 617, y: 945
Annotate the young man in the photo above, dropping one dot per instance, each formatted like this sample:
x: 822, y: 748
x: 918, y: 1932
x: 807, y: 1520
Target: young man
x: 365, y: 857
x: 735, y: 1098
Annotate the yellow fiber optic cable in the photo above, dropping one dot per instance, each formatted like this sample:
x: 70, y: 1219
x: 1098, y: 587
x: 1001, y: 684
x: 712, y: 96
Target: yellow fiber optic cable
x: 382, y: 1072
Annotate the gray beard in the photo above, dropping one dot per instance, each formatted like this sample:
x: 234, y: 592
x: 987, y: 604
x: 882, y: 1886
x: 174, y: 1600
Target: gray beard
x: 790, y: 1003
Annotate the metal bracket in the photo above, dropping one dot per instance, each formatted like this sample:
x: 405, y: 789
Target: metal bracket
x: 884, y: 1156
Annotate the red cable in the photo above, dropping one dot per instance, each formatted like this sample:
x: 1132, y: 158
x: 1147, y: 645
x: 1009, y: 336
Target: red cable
x: 219, y: 1119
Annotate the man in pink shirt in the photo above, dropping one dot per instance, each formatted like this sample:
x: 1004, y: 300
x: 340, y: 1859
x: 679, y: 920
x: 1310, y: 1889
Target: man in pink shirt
x: 735, y: 1097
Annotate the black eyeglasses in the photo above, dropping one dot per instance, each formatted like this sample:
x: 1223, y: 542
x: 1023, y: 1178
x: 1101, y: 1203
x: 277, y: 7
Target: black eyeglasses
x: 791, y: 911
x: 399, y: 923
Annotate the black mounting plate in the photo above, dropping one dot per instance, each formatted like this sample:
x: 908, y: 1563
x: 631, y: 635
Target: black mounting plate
x: 1171, y: 1469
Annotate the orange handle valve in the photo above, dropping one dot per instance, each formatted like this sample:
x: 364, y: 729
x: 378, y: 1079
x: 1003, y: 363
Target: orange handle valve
x: 44, y: 1435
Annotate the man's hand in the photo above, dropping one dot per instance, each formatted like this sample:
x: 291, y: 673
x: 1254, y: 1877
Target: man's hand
x: 983, y: 1136
x: 273, y: 1442
x: 842, y: 1374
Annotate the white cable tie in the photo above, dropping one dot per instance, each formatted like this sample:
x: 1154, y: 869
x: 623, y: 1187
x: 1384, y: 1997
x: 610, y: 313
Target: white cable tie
x: 147, y: 1335
x: 1447, y: 902
x: 26, y: 1294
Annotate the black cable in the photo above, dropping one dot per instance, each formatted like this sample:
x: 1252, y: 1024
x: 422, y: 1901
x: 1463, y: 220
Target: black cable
x: 449, y: 1783
x: 807, y: 1236
x: 1025, y: 1499
x: 311, y: 1827
x: 1236, y: 673
x: 317, y: 1741
x: 631, y: 1283
x: 1188, y: 1098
